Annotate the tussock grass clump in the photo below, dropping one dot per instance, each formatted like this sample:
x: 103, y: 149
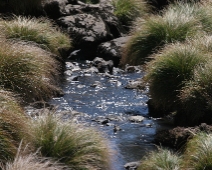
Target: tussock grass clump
x: 28, y: 70
x: 31, y: 162
x: 13, y: 126
x: 161, y: 159
x: 177, y: 23
x: 76, y: 146
x: 128, y: 10
x: 198, y: 153
x: 169, y: 72
x: 38, y: 30
x: 196, y: 96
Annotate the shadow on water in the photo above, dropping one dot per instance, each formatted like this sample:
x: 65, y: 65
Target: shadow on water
x: 97, y: 95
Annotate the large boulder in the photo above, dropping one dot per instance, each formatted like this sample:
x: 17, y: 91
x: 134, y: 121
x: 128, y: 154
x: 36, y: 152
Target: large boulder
x: 177, y: 137
x: 112, y: 50
x: 87, y: 31
x: 90, y: 25
x: 102, y: 65
x: 55, y: 8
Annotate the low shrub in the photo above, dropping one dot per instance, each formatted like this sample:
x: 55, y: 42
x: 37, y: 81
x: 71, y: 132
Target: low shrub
x: 177, y: 23
x: 128, y: 10
x: 13, y: 126
x: 38, y: 30
x: 161, y: 159
x: 170, y: 71
x: 76, y: 146
x: 198, y: 153
x: 28, y: 71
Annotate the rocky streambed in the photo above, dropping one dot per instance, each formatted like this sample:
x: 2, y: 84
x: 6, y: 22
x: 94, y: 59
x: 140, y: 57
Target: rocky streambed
x: 111, y: 103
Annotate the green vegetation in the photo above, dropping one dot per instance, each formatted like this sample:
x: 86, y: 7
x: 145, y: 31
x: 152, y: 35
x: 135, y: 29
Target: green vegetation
x: 31, y: 162
x: 180, y: 80
x: 198, y: 155
x: 177, y: 23
x: 40, y: 31
x: 170, y: 70
x: 162, y: 159
x: 28, y: 70
x: 128, y: 10
x: 13, y: 126
x: 72, y: 144
x: 196, y: 96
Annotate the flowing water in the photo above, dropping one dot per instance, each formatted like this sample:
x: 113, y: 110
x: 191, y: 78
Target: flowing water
x: 102, y: 97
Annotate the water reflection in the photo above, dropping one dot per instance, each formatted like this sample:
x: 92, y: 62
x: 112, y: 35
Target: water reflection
x: 99, y: 96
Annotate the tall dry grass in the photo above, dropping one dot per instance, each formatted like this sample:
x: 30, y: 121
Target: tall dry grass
x: 198, y: 154
x: 37, y: 30
x: 168, y: 73
x: 177, y: 23
x: 162, y: 159
x: 13, y: 126
x: 28, y: 71
x: 77, y: 146
x: 32, y: 161
x: 128, y: 10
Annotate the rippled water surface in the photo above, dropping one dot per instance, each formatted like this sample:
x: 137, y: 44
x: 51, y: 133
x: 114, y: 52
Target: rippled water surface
x: 110, y: 98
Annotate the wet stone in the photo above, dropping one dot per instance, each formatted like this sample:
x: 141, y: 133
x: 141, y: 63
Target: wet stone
x: 136, y: 118
x: 132, y: 165
x: 101, y: 120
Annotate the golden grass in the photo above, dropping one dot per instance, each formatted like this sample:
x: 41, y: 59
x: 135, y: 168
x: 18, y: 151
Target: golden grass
x: 38, y: 30
x: 13, y: 126
x: 77, y: 146
x: 28, y: 70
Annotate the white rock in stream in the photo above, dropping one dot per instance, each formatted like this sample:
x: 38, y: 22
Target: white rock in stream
x: 136, y: 118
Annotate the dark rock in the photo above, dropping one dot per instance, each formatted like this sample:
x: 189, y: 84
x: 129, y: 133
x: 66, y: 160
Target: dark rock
x: 96, y: 84
x: 103, y: 66
x: 101, y: 120
x: 73, y: 78
x: 55, y: 8
x: 134, y: 84
x: 132, y: 69
x: 111, y: 50
x: 87, y: 31
x: 177, y: 137
x: 73, y: 2
x: 116, y: 128
x: 89, y: 25
x: 132, y: 165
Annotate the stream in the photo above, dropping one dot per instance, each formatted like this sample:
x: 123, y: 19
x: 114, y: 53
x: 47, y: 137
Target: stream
x: 107, y: 103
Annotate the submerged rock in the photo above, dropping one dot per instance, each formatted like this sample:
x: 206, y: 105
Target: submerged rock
x: 111, y: 50
x: 103, y: 66
x: 132, y: 165
x: 134, y: 84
